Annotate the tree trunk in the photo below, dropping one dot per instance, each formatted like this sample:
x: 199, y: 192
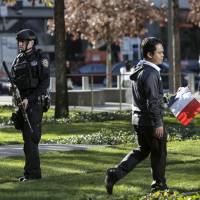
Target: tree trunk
x: 174, y: 46
x: 61, y: 101
x: 108, y: 64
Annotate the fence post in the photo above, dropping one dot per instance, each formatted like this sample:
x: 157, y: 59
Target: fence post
x: 120, y: 92
x: 118, y: 81
x: 191, y: 82
x: 52, y: 84
x: 92, y: 94
x: 85, y: 82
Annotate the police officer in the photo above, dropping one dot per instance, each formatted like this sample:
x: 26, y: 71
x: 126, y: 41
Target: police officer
x: 147, y: 118
x: 30, y: 71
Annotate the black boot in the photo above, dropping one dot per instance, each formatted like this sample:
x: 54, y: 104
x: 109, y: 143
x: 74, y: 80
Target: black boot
x: 25, y: 178
x: 155, y: 186
x: 22, y: 179
x: 111, y: 179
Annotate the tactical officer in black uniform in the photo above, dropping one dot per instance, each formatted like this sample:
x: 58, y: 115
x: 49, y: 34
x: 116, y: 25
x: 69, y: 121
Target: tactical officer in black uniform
x: 30, y: 71
x: 147, y: 118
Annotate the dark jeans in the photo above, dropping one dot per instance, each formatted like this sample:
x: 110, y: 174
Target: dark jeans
x: 31, y: 141
x: 147, y: 144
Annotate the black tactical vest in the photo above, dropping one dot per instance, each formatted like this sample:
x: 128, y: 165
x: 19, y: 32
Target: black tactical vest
x: 26, y: 70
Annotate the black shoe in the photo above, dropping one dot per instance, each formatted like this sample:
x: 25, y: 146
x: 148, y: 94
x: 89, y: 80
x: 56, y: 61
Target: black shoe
x: 24, y: 178
x: 159, y: 187
x: 111, y: 179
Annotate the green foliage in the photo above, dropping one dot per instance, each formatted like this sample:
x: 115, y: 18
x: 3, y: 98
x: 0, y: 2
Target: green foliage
x: 7, y: 108
x: 179, y: 132
x: 104, y: 136
x: 111, y: 136
x: 5, y: 121
x: 74, y: 117
x: 171, y: 195
x: 78, y: 116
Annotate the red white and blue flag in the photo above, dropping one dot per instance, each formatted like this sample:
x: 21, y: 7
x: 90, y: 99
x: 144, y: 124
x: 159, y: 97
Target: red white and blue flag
x: 184, y: 106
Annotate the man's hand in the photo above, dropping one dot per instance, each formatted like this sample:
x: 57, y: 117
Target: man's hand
x: 25, y: 103
x: 159, y: 132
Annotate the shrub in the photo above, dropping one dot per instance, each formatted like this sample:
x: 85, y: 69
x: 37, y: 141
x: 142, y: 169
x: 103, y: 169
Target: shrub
x: 171, y: 196
x: 178, y: 132
x: 102, y: 137
x: 91, y: 117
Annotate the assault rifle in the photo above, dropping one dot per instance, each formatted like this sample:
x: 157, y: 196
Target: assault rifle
x: 17, y: 97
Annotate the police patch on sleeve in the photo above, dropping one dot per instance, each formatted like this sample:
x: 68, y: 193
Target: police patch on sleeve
x: 34, y: 63
x: 45, y: 62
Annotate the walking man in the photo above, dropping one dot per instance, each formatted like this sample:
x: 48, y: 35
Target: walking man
x: 147, y: 118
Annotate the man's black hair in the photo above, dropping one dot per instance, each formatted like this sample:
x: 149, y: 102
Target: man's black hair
x: 148, y: 45
x: 128, y: 65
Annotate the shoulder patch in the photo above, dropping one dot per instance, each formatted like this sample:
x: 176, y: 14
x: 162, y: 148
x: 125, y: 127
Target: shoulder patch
x: 45, y: 62
x: 34, y: 63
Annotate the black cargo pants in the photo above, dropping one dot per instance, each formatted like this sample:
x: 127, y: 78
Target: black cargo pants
x: 31, y: 141
x: 147, y: 144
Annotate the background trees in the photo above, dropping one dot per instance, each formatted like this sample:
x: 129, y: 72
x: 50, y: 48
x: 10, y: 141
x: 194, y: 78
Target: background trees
x: 174, y: 38
x: 194, y: 14
x: 109, y: 20
x: 106, y: 20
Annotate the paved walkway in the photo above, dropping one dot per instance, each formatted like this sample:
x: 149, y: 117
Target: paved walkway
x: 15, y: 150
x: 5, y: 100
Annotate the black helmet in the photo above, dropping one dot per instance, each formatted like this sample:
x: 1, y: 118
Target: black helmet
x: 27, y: 34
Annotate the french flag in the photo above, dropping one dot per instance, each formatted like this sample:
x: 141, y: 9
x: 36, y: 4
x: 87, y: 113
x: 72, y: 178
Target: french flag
x: 184, y: 106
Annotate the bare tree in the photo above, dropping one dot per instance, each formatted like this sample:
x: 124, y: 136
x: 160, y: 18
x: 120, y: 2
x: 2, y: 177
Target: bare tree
x: 61, y: 101
x: 174, y: 45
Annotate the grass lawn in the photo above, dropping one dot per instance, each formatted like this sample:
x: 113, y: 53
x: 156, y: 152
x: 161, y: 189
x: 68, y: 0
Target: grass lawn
x: 80, y: 175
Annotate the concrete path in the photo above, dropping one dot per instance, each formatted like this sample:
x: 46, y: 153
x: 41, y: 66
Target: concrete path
x: 5, y: 100
x: 15, y: 150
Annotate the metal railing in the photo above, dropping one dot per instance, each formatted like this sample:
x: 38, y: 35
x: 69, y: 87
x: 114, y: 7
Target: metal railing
x: 94, y: 82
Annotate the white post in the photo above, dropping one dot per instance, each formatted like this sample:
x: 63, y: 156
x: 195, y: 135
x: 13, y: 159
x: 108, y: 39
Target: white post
x: 191, y: 82
x: 52, y: 84
x: 119, y: 81
x: 85, y: 82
